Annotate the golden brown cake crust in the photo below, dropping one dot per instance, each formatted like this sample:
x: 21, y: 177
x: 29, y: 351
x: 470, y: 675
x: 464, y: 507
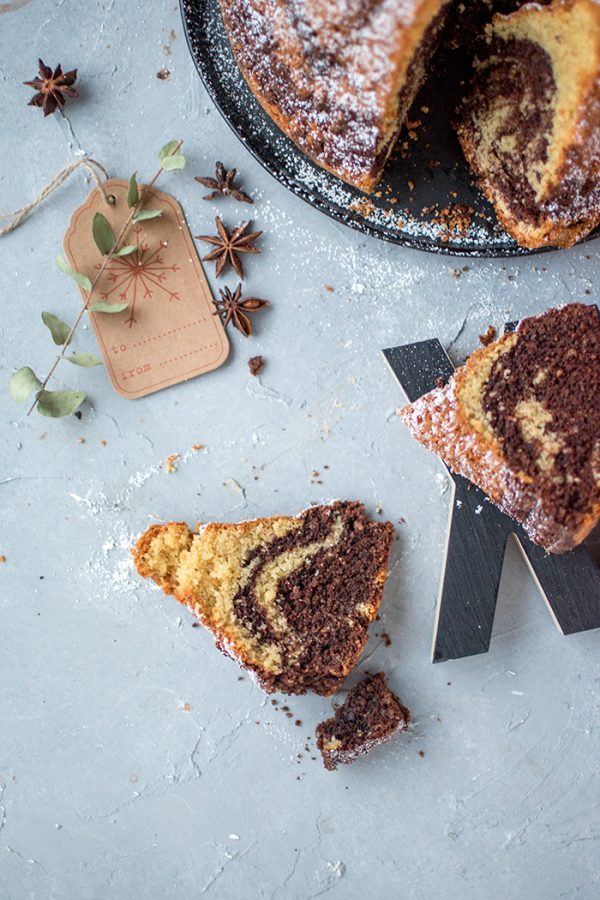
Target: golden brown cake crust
x: 555, y: 499
x: 337, y: 76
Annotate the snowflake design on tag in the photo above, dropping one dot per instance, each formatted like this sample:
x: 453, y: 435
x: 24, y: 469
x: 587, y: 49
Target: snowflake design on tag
x: 139, y: 276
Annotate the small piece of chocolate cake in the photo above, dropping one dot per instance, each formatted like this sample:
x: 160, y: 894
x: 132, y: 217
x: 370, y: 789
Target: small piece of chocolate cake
x: 530, y: 127
x: 290, y: 597
x: 370, y: 715
x: 521, y: 420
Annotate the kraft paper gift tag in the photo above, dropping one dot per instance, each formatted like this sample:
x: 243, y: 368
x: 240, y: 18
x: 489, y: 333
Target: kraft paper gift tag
x: 168, y: 332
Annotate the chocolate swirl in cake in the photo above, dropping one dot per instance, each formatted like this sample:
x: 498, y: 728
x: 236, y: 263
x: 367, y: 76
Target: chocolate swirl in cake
x: 530, y: 125
x: 542, y: 399
x: 290, y: 597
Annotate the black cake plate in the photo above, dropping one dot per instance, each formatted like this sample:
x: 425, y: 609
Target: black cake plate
x: 426, y: 199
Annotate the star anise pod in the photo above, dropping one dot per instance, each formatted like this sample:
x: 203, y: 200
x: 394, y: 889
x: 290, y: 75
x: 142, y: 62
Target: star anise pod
x: 52, y: 87
x: 227, y: 246
x: 233, y: 308
x: 222, y: 184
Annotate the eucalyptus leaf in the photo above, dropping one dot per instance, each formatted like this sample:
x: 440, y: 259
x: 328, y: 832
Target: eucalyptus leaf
x: 126, y: 250
x: 133, y: 194
x: 103, y: 234
x: 82, y: 280
x: 57, y: 404
x: 103, y: 307
x: 177, y: 161
x: 143, y: 214
x: 166, y: 150
x: 59, y: 330
x: 84, y: 359
x: 22, y: 383
x: 169, y: 159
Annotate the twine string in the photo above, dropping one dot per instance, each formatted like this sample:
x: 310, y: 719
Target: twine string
x: 19, y: 215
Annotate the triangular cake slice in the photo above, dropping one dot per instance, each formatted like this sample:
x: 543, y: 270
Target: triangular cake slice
x: 338, y: 78
x: 521, y: 420
x: 530, y: 128
x: 289, y: 597
x: 370, y: 715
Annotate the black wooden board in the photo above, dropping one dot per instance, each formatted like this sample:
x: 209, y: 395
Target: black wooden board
x: 476, y: 542
x: 426, y: 216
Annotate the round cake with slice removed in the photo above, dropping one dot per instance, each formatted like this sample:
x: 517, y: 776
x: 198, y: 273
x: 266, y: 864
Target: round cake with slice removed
x: 290, y: 597
x: 530, y: 128
x: 521, y: 420
x: 337, y: 76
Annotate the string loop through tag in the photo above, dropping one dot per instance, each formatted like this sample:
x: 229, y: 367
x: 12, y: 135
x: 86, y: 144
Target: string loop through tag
x: 93, y: 166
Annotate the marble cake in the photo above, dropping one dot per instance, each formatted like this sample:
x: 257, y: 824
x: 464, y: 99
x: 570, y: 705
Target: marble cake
x: 337, y: 76
x: 522, y: 421
x: 370, y: 715
x: 530, y: 126
x: 290, y: 597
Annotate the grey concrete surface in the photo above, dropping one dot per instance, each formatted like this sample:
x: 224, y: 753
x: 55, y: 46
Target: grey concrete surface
x: 135, y: 762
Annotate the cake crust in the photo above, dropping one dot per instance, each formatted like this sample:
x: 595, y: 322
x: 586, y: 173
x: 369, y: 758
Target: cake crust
x: 290, y: 597
x: 521, y: 420
x: 337, y: 76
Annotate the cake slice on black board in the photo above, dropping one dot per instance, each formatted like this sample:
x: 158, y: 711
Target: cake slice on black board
x: 521, y: 420
x: 290, y: 597
x: 370, y: 715
x: 530, y: 127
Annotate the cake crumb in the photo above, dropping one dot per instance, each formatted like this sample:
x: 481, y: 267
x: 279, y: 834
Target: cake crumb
x: 255, y: 364
x: 2, y: 559
x: 163, y: 74
x: 440, y: 382
x: 421, y: 753
x: 80, y: 440
x: 198, y: 446
x: 171, y: 463
x: 488, y: 336
x: 329, y: 288
x: 103, y: 442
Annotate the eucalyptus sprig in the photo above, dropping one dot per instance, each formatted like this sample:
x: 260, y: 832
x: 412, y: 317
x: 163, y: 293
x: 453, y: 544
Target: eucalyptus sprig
x: 25, y: 382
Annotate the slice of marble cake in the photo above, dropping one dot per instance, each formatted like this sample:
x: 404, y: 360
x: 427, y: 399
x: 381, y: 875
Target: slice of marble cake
x: 521, y: 420
x: 289, y: 597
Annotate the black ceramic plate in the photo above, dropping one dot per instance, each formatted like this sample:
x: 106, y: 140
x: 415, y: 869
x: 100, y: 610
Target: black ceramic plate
x: 425, y: 200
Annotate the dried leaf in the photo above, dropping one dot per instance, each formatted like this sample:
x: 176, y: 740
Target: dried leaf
x: 103, y: 307
x: 56, y: 404
x: 59, y: 330
x: 133, y: 195
x: 82, y: 280
x: 103, y: 234
x: 22, y: 383
x: 84, y: 359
